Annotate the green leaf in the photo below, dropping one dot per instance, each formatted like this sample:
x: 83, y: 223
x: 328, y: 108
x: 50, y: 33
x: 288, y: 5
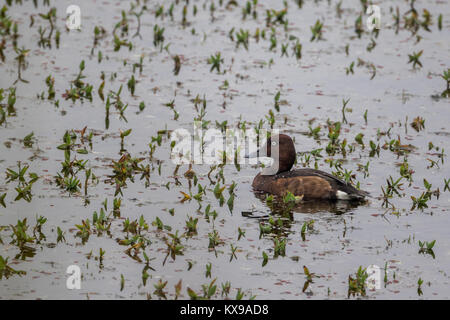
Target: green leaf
x: 63, y: 146
x: 265, y: 258
x: 212, y: 291
x: 192, y: 294
x: 230, y: 202
x: 2, y: 200
x: 125, y: 133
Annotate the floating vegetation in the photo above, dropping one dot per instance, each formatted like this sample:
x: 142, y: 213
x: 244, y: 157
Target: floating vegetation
x: 7, y: 271
x: 357, y: 283
x: 101, y: 186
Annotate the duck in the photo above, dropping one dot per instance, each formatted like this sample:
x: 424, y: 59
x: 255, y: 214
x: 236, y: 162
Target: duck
x: 310, y: 184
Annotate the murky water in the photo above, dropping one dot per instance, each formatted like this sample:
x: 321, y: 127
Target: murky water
x: 344, y: 237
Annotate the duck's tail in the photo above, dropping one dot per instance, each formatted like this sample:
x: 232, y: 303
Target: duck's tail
x: 349, y: 192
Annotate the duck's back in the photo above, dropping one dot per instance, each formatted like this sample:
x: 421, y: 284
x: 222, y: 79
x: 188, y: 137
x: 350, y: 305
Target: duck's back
x: 309, y: 183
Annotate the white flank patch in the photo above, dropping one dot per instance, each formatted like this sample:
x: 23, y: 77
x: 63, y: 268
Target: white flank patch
x: 341, y: 195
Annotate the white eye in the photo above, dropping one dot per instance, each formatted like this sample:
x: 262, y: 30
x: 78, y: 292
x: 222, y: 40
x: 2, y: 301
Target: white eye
x: 274, y: 143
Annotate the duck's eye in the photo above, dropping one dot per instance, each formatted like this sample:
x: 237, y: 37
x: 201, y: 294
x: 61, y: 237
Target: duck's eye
x: 274, y: 143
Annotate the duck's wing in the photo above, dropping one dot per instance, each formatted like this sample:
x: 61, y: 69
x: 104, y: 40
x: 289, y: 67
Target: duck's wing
x: 336, y: 183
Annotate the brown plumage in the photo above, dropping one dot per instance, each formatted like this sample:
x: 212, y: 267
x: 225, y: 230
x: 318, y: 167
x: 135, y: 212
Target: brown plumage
x: 309, y: 183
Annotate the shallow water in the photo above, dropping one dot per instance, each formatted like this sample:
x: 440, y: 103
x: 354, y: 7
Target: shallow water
x: 344, y: 237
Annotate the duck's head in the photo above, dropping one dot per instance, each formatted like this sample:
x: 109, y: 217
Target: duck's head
x: 280, y: 148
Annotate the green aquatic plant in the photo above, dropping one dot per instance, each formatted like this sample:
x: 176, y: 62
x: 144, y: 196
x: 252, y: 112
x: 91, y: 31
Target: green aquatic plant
x: 71, y: 184
x: 419, y: 287
x: 122, y: 25
x: 23, y: 187
x: 316, y: 31
x: 160, y: 225
x: 132, y: 85
x: 359, y: 26
x: 242, y: 37
x: 226, y: 289
x: 78, y: 88
x: 158, y: 36
x: 37, y: 229
x: 374, y: 149
x: 309, y: 278
x: 231, y: 192
x: 421, y: 201
x: 100, y: 222
x: 215, y: 61
x: 277, y: 101
x: 233, y: 252
x: 427, y: 247
x: 2, y: 200
x: 418, y: 124
x: 99, y: 33
x: 344, y: 105
x: 6, y: 270
x: 271, y: 118
x: 307, y: 226
x: 414, y: 59
x: 350, y: 68
x: 284, y: 48
x: 50, y: 82
x: 274, y: 17
x: 115, y: 100
x: 174, y: 247
x: 447, y: 184
x: 122, y: 282
x: 159, y: 289
x: 177, y: 64
x: 84, y: 230
x: 191, y: 226
x: 209, y: 290
x: 265, y: 259
x: 60, y: 235
x: 297, y: 48
x: 123, y: 134
x: 273, y: 42
x: 119, y: 43
x: 446, y: 76
x: 45, y: 41
x: 184, y: 21
x: 314, y: 132
x: 371, y: 45
x: 21, y: 63
x: 279, y: 247
x: 20, y: 238
x: 357, y: 283
x: 334, y: 131
x: 359, y: 139
x: 214, y: 240
x: 208, y: 270
x: 138, y: 18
